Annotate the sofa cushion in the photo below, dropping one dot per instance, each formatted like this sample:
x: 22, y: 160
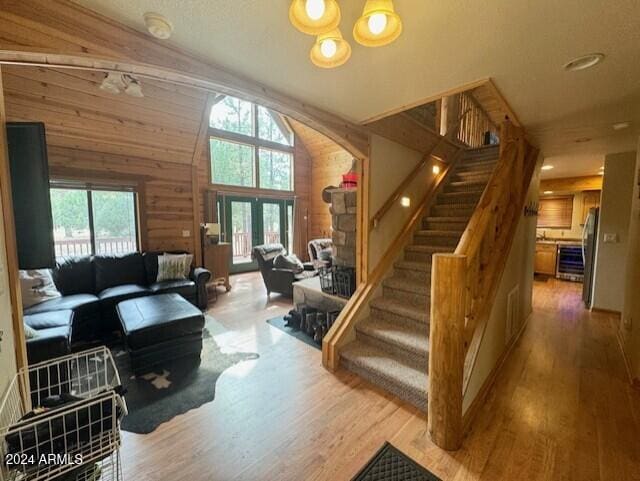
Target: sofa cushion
x: 120, y: 293
x: 155, y: 319
x: 49, y: 343
x: 73, y: 302
x: 75, y: 275
x: 185, y: 287
x: 47, y: 320
x: 114, y: 271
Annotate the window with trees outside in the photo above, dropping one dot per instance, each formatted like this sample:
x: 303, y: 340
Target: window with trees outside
x: 93, y: 221
x: 250, y: 146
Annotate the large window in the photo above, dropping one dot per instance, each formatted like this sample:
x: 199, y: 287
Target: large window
x: 93, y: 221
x: 250, y: 146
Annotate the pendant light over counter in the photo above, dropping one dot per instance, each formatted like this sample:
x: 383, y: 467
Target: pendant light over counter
x: 379, y: 25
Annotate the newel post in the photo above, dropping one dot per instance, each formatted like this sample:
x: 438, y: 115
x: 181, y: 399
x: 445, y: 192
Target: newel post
x: 446, y: 350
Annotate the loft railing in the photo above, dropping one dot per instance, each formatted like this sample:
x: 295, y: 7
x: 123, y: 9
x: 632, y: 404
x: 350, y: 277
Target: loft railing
x: 464, y: 284
x: 476, y: 125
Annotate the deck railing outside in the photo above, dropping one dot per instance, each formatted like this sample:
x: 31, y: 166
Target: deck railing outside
x: 81, y: 246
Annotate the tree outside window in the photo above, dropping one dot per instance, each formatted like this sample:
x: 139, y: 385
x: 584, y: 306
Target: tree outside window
x: 250, y: 146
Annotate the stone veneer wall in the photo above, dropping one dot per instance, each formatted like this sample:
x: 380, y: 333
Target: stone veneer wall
x: 343, y: 221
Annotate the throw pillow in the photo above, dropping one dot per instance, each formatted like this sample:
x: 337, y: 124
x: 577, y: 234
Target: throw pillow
x: 173, y: 267
x: 30, y: 332
x: 290, y: 263
x: 37, y: 286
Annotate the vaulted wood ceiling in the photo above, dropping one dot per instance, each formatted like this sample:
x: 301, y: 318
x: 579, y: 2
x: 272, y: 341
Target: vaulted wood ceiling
x: 162, y: 125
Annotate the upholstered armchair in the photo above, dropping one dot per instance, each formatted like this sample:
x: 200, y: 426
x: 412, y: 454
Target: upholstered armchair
x: 275, y: 279
x: 320, y: 252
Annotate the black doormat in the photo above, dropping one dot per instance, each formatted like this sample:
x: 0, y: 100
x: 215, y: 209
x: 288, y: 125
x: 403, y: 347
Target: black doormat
x: 175, y: 387
x: 280, y: 323
x: 389, y: 464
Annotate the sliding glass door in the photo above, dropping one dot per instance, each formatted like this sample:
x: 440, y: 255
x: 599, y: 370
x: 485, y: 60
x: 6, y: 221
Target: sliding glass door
x: 251, y: 221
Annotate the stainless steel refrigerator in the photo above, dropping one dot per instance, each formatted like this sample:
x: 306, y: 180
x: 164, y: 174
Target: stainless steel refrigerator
x: 589, y: 243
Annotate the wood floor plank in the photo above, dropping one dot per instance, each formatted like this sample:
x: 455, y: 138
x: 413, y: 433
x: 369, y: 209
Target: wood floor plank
x: 561, y: 408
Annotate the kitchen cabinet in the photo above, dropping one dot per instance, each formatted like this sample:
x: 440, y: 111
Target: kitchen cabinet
x: 590, y: 198
x: 546, y: 258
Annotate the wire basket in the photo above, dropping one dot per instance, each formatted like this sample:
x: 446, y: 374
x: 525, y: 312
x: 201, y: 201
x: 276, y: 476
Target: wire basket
x: 63, y: 440
x: 109, y: 469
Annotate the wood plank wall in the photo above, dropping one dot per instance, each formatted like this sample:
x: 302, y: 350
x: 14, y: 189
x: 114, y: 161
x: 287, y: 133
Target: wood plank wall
x: 149, y: 140
x: 328, y: 162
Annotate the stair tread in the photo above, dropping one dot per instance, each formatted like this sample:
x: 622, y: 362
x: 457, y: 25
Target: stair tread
x: 401, y: 308
x: 476, y: 169
x: 462, y: 220
x: 413, y: 265
x: 465, y: 183
x: 407, y: 285
x: 428, y: 248
x: 463, y: 193
x: 381, y: 365
x: 441, y: 232
x: 412, y: 337
x: 459, y: 206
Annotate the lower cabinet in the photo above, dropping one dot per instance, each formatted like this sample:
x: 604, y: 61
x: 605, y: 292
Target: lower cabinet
x: 546, y: 258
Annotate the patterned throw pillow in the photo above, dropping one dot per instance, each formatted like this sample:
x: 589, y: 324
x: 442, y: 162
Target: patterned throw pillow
x: 173, y: 267
x: 37, y: 286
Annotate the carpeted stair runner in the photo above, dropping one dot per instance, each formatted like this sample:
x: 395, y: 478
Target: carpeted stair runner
x: 391, y: 348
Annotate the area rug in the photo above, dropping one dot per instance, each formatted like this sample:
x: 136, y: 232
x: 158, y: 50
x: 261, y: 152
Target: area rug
x: 280, y: 323
x: 389, y: 464
x: 176, y: 387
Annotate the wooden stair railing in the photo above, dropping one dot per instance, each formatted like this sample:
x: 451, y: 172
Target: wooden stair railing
x: 464, y: 284
x: 402, y: 187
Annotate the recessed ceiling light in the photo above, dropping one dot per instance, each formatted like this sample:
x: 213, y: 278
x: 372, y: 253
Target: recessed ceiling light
x: 621, y: 126
x: 547, y: 192
x: 582, y: 140
x: 158, y: 25
x: 547, y: 167
x: 584, y: 62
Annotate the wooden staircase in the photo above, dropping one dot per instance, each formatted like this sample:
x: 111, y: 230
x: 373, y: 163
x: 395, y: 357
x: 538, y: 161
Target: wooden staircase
x: 391, y: 348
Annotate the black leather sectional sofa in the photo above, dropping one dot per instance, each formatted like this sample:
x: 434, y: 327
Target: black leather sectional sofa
x: 91, y: 287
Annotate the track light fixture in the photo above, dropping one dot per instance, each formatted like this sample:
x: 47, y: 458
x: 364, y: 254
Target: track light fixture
x: 114, y: 83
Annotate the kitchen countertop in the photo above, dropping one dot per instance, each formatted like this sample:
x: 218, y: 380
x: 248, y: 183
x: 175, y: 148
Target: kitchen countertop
x: 560, y: 241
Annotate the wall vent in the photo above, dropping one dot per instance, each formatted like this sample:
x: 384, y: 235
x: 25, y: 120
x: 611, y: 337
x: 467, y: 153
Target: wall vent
x: 513, y: 310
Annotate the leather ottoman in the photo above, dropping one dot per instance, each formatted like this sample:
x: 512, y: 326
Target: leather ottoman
x: 158, y: 329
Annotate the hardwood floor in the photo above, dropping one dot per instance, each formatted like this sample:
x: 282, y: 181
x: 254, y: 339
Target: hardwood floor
x: 562, y: 408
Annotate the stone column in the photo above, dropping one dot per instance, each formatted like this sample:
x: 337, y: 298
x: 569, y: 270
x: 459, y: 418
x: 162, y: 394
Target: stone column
x: 343, y: 216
